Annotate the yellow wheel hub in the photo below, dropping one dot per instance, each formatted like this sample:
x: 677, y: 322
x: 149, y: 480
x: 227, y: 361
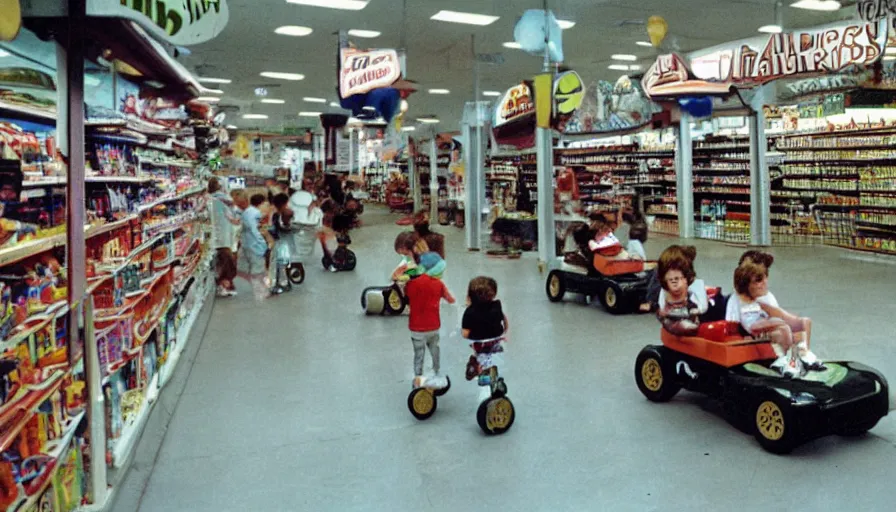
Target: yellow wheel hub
x: 395, y: 300
x: 499, y: 413
x: 423, y: 402
x: 610, y: 296
x: 652, y: 375
x: 555, y: 286
x: 770, y: 421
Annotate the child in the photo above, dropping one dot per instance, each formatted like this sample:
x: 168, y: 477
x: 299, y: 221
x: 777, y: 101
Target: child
x: 281, y: 231
x: 637, y: 237
x: 254, y: 244
x: 224, y: 220
x: 750, y: 284
x: 424, y: 294
x: 483, y: 319
x: 683, y: 297
x: 604, y: 241
x: 417, y: 259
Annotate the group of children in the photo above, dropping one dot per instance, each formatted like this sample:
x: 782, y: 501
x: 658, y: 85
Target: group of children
x: 683, y: 303
x: 420, y: 272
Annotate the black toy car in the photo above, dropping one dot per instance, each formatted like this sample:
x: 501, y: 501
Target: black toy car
x: 618, y: 294
x: 845, y: 399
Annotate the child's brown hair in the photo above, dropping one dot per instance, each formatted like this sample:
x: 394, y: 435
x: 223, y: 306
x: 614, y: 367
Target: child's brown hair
x: 482, y: 290
x: 257, y: 200
x: 677, y: 257
x: 406, y: 241
x: 638, y: 231
x: 746, y: 274
x: 760, y: 257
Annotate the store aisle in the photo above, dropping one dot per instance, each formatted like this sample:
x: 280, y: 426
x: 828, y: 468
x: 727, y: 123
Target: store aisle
x: 299, y: 403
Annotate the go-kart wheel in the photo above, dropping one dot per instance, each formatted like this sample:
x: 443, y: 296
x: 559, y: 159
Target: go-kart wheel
x: 395, y: 301
x: 773, y: 425
x: 612, y: 298
x: 422, y: 403
x: 859, y: 429
x: 652, y: 377
x: 350, y: 260
x: 296, y: 273
x: 555, y: 286
x: 495, y: 415
x: 442, y: 391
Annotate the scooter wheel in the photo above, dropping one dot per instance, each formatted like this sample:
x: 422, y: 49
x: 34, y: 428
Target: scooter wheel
x: 442, y: 391
x: 350, y: 260
x: 495, y: 415
x: 422, y: 403
x: 296, y: 273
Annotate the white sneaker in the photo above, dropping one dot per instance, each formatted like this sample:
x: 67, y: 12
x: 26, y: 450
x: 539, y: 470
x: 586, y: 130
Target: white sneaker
x: 222, y: 292
x: 437, y: 381
x: 229, y: 293
x: 811, y: 362
x: 781, y: 363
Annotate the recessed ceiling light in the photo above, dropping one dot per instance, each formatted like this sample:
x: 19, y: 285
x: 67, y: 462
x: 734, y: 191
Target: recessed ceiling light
x: 648, y: 44
x: 491, y: 93
x: 310, y: 114
x: 272, y: 100
x: 428, y: 120
x: 618, y: 67
x: 254, y: 116
x: 4, y: 53
x: 771, y: 29
x: 464, y: 17
x: 208, y: 99
x: 439, y: 91
x: 817, y: 5
x: 282, y: 76
x: 565, y: 24
x: 231, y: 127
x: 624, y: 57
x: 368, y: 34
x: 346, y: 5
x: 335, y: 104
x: 293, y: 30
x: 512, y: 44
x: 408, y: 128
x: 314, y: 100
x: 207, y: 80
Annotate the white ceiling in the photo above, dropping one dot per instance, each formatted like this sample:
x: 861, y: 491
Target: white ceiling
x: 440, y: 54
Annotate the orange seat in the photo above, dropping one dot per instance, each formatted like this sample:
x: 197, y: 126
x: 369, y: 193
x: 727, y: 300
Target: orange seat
x: 726, y: 348
x: 610, y: 267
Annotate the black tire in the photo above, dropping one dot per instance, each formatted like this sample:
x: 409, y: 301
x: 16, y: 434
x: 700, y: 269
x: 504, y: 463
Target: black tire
x: 612, y: 298
x: 326, y: 261
x: 394, y: 301
x: 442, y: 391
x: 555, y: 286
x: 422, y: 403
x: 350, y: 260
x: 858, y: 429
x: 295, y: 272
x: 773, y: 424
x: 502, y: 412
x: 653, y: 374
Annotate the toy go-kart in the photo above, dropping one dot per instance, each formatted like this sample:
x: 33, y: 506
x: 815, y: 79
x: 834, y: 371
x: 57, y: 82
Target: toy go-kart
x: 620, y: 285
x: 846, y: 398
x: 378, y: 300
x: 342, y: 258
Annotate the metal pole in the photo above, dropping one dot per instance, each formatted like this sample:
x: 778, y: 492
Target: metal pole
x: 414, y: 176
x: 433, y: 179
x: 473, y: 176
x: 684, y: 177
x: 544, y: 144
x: 475, y: 68
x: 760, y: 183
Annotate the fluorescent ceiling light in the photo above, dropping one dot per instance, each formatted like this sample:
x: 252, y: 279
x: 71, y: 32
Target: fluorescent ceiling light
x: 367, y: 34
x: 512, y: 44
x: 273, y: 101
x: 618, y: 67
x: 369, y: 109
x: 282, y: 76
x: 464, y: 17
x: 408, y: 128
x: 890, y: 57
x: 207, y: 80
x: 310, y: 114
x: 4, y: 53
x: 314, y: 100
x: 212, y: 91
x: 771, y: 29
x: 634, y: 67
x: 648, y: 44
x: 346, y: 5
x: 209, y: 99
x: 624, y: 57
x: 439, y: 91
x: 428, y: 120
x: 254, y: 116
x: 565, y: 24
x: 891, y: 50
x: 293, y: 30
x: 335, y: 104
x: 231, y: 127
x: 491, y: 93
x: 817, y: 5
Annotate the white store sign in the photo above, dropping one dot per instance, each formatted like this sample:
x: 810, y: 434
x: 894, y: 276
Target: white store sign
x: 180, y: 22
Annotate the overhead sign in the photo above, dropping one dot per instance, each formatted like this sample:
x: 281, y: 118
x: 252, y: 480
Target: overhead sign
x: 608, y: 107
x: 669, y: 76
x: 516, y: 103
x: 180, y: 22
x: 875, y: 10
x: 361, y: 71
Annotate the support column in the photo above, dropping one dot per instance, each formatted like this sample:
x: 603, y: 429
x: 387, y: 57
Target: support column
x: 684, y: 177
x: 760, y: 182
x: 474, y: 176
x: 544, y: 144
x: 433, y: 179
x: 413, y: 175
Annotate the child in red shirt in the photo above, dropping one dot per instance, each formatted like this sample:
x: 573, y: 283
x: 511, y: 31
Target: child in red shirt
x: 425, y: 294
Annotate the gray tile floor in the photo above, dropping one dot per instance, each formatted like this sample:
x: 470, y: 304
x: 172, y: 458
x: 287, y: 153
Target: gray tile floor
x: 299, y: 403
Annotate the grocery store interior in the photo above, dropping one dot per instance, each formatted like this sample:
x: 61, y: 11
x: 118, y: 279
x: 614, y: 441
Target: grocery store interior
x: 531, y: 254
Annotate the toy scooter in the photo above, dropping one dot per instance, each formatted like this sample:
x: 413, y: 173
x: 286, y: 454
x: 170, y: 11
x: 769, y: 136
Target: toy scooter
x: 496, y: 413
x: 379, y: 300
x: 342, y: 258
x: 423, y: 401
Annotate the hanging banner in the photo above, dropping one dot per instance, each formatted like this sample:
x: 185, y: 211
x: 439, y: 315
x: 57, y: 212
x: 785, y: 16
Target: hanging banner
x: 516, y: 104
x: 875, y: 10
x: 361, y: 71
x: 610, y: 107
x: 179, y: 22
x: 670, y: 76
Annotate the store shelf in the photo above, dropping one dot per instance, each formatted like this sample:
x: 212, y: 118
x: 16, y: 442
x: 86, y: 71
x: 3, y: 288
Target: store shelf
x: 130, y: 433
x: 30, y: 248
x: 183, y: 195
x: 19, y: 415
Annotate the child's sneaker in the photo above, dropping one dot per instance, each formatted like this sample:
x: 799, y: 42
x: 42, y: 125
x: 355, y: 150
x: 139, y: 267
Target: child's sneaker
x: 472, y: 368
x: 781, y: 363
x: 222, y: 292
x: 812, y: 363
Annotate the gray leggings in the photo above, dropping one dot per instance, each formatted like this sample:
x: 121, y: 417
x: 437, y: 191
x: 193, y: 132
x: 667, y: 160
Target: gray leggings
x: 421, y: 341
